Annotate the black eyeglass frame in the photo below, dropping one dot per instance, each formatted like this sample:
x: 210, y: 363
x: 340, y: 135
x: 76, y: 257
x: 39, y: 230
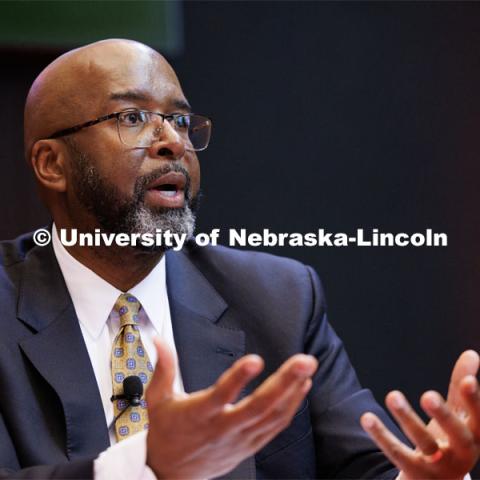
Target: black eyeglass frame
x: 104, y: 118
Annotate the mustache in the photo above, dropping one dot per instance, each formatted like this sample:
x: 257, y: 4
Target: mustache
x: 142, y: 182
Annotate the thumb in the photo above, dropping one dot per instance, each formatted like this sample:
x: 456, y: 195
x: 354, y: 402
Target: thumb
x: 161, y: 383
x: 467, y: 364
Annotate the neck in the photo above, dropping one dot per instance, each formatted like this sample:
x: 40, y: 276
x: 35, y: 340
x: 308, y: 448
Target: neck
x: 122, y: 267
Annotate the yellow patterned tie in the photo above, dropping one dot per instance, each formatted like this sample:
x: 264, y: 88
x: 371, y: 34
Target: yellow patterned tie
x: 129, y: 358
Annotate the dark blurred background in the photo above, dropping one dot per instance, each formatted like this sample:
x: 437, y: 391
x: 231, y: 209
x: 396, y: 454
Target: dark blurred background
x: 326, y: 115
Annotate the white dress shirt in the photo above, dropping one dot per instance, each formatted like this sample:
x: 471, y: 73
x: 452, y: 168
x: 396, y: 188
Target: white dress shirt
x: 93, y: 299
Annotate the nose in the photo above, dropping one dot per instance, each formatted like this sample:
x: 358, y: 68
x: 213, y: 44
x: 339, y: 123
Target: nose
x: 167, y: 143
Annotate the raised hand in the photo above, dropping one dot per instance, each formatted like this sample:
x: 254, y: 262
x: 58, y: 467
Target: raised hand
x: 204, y: 435
x: 449, y: 446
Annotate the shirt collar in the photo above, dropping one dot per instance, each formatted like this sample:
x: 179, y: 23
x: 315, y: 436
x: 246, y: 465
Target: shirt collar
x: 94, y: 298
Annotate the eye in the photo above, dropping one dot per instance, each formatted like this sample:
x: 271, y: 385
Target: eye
x: 182, y: 122
x: 133, y: 118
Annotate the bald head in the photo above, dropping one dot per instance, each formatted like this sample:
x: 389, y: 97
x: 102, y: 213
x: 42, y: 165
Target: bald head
x: 77, y: 86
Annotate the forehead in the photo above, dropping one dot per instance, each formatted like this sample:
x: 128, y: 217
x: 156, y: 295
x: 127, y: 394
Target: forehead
x: 134, y: 76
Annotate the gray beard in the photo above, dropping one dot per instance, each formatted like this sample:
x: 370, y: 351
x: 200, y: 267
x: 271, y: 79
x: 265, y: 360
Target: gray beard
x: 117, y: 214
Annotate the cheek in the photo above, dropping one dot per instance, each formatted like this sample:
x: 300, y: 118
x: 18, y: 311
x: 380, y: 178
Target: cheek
x: 116, y: 165
x: 194, y: 171
x: 124, y: 171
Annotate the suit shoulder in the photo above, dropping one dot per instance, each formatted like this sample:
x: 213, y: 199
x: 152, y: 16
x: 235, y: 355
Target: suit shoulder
x: 252, y: 269
x: 247, y: 260
x: 15, y: 250
x: 267, y: 291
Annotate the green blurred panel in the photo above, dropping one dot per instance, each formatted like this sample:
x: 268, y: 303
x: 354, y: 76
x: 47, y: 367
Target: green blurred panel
x: 60, y: 24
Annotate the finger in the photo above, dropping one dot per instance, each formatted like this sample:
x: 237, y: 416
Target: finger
x: 467, y: 364
x: 161, y: 383
x: 230, y: 384
x: 411, y: 423
x: 471, y: 395
x: 279, y: 417
x: 274, y: 389
x: 397, y: 452
x: 460, y: 437
x: 204, y: 405
x: 261, y: 438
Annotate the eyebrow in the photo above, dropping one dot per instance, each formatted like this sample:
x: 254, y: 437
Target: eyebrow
x: 129, y: 95
x: 181, y: 104
x: 138, y: 95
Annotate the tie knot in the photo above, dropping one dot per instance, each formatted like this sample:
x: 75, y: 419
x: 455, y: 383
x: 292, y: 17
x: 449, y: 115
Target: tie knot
x: 127, y: 307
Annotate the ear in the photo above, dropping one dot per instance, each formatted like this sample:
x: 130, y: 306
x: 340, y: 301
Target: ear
x: 48, y: 163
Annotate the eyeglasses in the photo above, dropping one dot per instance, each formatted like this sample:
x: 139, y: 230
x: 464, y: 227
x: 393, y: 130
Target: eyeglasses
x: 140, y: 128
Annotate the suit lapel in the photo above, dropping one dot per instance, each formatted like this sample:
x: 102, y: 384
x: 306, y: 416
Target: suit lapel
x: 205, y: 349
x: 57, y: 350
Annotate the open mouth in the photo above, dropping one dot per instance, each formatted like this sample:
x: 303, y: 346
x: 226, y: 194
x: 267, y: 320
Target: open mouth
x: 168, y: 190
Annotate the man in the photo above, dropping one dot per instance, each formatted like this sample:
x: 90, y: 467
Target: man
x: 270, y: 390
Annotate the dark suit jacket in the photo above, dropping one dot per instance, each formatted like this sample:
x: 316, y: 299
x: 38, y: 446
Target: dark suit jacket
x: 224, y: 303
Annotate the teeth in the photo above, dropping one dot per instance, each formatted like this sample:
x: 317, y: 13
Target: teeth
x: 168, y: 193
